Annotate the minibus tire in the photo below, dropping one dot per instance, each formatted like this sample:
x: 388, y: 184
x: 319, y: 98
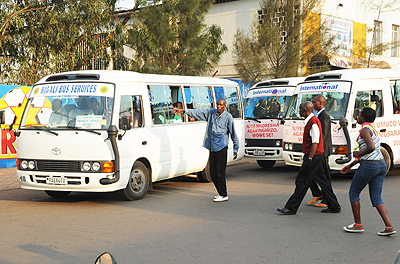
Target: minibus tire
x: 138, y: 182
x: 386, y: 158
x: 266, y: 163
x: 57, y: 194
x: 204, y: 175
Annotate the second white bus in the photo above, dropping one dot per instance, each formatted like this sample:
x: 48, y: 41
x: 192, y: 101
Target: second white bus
x: 264, y: 108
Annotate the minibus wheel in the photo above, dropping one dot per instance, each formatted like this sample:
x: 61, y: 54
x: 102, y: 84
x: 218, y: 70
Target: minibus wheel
x: 266, y: 163
x: 57, y: 194
x: 205, y: 175
x: 138, y: 183
x: 387, y: 158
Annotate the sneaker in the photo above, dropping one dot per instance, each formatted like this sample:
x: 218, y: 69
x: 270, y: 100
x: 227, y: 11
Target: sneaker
x: 353, y: 229
x: 387, y: 232
x: 221, y: 199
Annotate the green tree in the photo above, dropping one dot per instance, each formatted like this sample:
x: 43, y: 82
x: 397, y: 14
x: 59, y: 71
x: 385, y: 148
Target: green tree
x: 169, y: 37
x: 48, y: 36
x: 280, y: 44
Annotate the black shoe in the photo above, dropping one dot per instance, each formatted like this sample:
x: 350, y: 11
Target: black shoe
x: 328, y: 210
x: 284, y: 210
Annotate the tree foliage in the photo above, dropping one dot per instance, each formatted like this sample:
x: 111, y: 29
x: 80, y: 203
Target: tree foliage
x: 169, y: 37
x: 279, y: 45
x: 47, y: 36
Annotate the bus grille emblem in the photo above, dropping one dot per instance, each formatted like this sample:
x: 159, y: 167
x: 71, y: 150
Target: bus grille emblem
x: 56, y: 151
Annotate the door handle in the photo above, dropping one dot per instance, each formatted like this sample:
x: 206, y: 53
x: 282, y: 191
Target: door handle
x: 144, y: 143
x: 382, y: 130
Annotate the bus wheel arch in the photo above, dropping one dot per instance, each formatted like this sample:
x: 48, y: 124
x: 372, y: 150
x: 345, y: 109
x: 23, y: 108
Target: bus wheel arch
x: 387, y: 156
x: 138, y: 182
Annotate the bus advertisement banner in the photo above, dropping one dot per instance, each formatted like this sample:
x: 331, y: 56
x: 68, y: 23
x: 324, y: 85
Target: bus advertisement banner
x: 12, y: 102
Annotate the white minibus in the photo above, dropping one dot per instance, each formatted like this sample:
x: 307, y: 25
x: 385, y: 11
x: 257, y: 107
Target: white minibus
x: 105, y: 131
x: 264, y: 108
x: 348, y: 91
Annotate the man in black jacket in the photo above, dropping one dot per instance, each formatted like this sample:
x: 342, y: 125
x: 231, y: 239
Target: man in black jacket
x: 323, y: 116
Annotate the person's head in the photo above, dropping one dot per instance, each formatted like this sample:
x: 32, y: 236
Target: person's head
x: 305, y: 109
x: 221, y: 105
x: 319, y: 102
x: 262, y: 102
x: 178, y: 105
x: 366, y: 114
x: 83, y: 103
x: 233, y: 107
x: 56, y: 104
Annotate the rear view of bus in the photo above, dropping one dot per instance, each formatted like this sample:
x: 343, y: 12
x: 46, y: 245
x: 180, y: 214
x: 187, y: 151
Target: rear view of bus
x: 265, y: 106
x: 337, y: 94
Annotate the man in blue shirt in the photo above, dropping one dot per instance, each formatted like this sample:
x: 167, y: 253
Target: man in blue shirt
x: 220, y: 126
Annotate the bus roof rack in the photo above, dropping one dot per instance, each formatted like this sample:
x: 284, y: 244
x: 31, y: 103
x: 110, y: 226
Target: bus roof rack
x: 269, y: 83
x: 65, y: 77
x: 324, y: 76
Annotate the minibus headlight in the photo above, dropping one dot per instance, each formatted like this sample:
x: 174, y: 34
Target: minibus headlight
x: 31, y: 165
x: 286, y: 146
x: 107, y: 167
x: 333, y: 149
x: 96, y: 166
x: 86, y: 166
x: 290, y: 146
x: 277, y: 143
x: 24, y: 164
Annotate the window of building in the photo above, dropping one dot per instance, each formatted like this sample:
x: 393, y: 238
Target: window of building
x: 377, y: 37
x: 224, y: 1
x: 395, y: 39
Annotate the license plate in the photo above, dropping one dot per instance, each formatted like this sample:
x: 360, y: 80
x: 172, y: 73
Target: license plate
x: 259, y: 152
x: 56, y: 180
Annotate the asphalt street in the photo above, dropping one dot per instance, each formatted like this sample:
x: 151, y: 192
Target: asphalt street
x: 177, y: 222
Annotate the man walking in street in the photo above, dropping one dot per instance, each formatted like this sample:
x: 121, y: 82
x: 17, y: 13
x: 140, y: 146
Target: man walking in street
x: 311, y: 168
x: 220, y: 126
x: 319, y: 102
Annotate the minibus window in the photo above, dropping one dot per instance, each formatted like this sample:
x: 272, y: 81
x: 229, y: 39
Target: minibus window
x: 198, y: 97
x: 336, y: 104
x: 68, y: 112
x: 163, y: 98
x: 232, y: 101
x: 131, y: 106
x: 371, y: 99
x: 395, y: 88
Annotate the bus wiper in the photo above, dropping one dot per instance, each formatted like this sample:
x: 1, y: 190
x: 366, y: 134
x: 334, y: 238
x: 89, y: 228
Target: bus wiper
x: 46, y: 130
x: 253, y: 118
x: 88, y: 130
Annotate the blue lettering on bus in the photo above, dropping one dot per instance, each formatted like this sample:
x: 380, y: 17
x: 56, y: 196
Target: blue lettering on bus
x: 318, y: 87
x: 273, y: 92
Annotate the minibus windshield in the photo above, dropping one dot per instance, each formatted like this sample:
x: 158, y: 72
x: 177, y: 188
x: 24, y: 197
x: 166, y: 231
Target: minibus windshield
x: 266, y: 106
x: 336, y: 104
x: 73, y: 108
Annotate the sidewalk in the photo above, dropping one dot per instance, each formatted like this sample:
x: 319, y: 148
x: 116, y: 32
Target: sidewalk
x: 8, y: 179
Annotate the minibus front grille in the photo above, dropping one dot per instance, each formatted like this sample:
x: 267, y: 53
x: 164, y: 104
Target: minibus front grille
x: 260, y: 142
x: 58, y: 166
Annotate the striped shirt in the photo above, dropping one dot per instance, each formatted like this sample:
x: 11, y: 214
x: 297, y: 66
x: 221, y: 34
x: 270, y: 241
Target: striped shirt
x: 376, y: 154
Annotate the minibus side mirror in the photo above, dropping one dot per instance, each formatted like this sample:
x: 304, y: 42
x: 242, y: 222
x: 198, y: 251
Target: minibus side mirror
x: 282, y: 121
x: 125, y: 123
x: 2, y: 117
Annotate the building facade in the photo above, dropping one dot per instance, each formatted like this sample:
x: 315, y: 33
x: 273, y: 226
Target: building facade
x: 357, y: 24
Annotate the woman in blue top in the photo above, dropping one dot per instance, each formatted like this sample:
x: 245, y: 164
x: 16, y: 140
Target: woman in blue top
x: 372, y: 171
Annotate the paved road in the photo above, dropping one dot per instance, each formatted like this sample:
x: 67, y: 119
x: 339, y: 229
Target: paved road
x: 179, y: 223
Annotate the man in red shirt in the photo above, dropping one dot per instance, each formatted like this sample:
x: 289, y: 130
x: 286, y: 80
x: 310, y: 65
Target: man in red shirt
x: 311, y: 169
